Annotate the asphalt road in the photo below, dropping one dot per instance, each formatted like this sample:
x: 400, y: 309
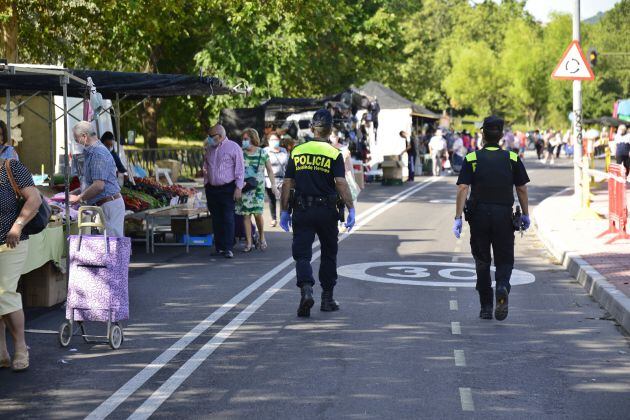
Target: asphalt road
x: 212, y: 338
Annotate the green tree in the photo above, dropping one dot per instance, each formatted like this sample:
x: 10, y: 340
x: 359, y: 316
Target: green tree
x: 475, y: 81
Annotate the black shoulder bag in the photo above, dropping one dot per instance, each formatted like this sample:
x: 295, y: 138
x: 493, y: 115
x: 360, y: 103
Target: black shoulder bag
x: 40, y: 221
x: 251, y: 182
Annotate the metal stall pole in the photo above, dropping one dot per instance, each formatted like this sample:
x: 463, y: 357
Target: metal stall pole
x: 117, y: 115
x: 8, y: 108
x: 53, y: 150
x: 64, y: 85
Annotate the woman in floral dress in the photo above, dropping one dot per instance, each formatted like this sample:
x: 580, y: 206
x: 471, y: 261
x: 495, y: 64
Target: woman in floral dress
x: 252, y: 201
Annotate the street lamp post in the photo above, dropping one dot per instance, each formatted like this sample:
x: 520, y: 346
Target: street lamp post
x: 577, y: 112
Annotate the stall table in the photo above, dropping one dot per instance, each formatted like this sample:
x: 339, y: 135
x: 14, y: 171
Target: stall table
x: 179, y: 212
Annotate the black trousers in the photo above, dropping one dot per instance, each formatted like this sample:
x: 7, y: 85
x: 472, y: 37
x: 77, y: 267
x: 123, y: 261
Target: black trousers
x: 273, y: 200
x: 623, y: 155
x: 221, y: 207
x: 412, y: 167
x: 491, y: 227
x: 320, y: 221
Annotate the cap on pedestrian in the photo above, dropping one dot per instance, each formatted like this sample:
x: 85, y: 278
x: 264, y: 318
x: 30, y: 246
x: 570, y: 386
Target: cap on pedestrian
x: 493, y: 123
x: 322, y: 118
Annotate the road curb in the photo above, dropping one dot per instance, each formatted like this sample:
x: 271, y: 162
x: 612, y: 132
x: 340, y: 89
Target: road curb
x: 606, y: 294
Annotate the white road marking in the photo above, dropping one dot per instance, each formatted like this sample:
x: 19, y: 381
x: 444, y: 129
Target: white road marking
x: 413, y: 273
x: 465, y: 395
x: 460, y: 359
x: 456, y: 329
x: 453, y: 305
x: 455, y: 258
x: 452, y: 289
x: 123, y: 393
x: 32, y: 331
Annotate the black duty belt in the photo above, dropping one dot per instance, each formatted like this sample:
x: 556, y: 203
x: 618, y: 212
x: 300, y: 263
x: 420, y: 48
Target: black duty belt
x: 306, y: 201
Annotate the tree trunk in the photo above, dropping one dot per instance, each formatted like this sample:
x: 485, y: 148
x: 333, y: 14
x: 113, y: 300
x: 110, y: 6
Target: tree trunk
x: 9, y: 31
x: 151, y: 106
x: 150, y: 122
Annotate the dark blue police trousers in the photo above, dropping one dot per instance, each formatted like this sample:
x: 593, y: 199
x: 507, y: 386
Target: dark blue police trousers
x: 308, y: 222
x: 491, y: 227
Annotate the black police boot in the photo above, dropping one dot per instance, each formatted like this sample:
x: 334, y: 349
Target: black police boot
x: 501, y: 310
x: 306, y: 302
x: 328, y: 303
x: 486, y: 312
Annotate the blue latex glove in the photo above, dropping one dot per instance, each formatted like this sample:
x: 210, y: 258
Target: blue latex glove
x: 525, y: 222
x: 457, y: 228
x: 350, y: 219
x: 285, y: 220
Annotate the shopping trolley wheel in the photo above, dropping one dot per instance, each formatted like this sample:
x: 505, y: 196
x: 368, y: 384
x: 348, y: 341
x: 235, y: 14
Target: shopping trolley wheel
x: 115, y: 336
x: 65, y: 333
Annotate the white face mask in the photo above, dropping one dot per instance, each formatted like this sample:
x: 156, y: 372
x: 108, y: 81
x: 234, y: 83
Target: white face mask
x: 274, y: 144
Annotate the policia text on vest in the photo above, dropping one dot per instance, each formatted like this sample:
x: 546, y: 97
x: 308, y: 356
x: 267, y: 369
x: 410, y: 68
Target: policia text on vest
x: 314, y: 179
x: 491, y: 174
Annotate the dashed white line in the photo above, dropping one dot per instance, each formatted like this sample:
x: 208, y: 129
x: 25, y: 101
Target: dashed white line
x: 452, y: 289
x: 465, y: 395
x: 456, y: 329
x: 460, y: 358
x: 453, y: 305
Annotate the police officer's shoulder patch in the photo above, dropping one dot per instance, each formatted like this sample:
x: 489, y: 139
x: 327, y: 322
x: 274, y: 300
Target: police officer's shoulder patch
x: 471, y: 157
x: 514, y: 156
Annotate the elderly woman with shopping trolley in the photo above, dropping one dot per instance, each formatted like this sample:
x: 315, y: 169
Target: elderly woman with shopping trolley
x: 19, y: 203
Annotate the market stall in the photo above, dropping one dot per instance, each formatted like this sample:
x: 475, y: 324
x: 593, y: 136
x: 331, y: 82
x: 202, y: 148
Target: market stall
x: 23, y: 83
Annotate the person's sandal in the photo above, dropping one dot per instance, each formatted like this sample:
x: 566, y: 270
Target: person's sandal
x: 20, y: 361
x: 5, y: 362
x: 248, y: 248
x: 263, y: 245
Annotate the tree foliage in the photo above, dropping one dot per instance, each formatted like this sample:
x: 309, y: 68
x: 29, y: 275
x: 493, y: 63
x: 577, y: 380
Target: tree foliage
x: 456, y: 55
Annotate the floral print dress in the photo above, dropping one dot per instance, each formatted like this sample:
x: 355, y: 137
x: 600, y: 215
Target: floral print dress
x: 253, y: 201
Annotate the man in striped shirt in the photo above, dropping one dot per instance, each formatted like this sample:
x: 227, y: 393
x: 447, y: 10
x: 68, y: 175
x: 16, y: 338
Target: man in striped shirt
x: 223, y: 173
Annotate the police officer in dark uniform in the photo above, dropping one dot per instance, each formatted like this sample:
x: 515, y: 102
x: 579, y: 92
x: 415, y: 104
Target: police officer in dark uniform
x: 492, y: 173
x: 313, y: 182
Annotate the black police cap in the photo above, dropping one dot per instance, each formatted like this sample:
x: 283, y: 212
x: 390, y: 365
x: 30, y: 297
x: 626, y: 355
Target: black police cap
x: 322, y: 118
x: 493, y: 123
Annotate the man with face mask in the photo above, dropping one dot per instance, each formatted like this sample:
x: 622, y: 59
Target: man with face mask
x: 101, y: 185
x: 108, y: 140
x: 224, y: 176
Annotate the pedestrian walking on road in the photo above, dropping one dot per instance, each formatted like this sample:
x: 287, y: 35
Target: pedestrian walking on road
x: 279, y: 158
x: 314, y: 180
x: 622, y: 147
x: 223, y: 172
x: 492, y: 173
x: 13, y: 252
x: 100, y: 180
x: 253, y: 198
x: 438, y: 149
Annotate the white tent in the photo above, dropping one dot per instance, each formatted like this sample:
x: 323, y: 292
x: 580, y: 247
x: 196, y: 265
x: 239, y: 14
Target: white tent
x: 396, y: 115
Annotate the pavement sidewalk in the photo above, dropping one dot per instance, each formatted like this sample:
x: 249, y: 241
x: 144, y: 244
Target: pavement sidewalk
x: 602, y: 269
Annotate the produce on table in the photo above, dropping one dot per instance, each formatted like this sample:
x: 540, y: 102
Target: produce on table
x: 147, y: 193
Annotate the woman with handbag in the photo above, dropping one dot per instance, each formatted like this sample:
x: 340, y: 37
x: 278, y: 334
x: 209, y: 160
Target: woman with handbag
x: 253, y: 198
x: 17, y: 208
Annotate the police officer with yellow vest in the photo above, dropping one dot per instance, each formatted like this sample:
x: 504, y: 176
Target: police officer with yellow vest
x: 316, y: 175
x: 493, y: 173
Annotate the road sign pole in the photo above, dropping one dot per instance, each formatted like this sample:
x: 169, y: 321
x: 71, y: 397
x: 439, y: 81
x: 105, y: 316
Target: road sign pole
x: 577, y: 112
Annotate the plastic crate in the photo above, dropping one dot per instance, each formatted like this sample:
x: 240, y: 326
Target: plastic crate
x: 192, y: 240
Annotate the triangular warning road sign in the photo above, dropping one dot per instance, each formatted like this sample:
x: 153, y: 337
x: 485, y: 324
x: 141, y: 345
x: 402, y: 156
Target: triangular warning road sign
x: 573, y: 65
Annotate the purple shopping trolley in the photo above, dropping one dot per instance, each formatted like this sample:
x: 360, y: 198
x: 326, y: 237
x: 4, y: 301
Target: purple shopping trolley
x: 97, y: 283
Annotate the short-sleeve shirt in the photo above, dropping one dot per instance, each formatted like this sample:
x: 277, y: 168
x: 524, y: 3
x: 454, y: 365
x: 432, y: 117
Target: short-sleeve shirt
x: 100, y: 165
x: 314, y: 166
x: 9, y: 205
x: 466, y: 175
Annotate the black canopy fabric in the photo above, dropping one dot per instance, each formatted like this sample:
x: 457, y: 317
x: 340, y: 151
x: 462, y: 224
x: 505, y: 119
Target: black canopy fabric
x: 606, y: 121
x: 236, y: 120
x: 110, y: 83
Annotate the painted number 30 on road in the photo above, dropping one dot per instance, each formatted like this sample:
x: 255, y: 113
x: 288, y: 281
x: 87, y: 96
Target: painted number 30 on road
x: 424, y: 273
